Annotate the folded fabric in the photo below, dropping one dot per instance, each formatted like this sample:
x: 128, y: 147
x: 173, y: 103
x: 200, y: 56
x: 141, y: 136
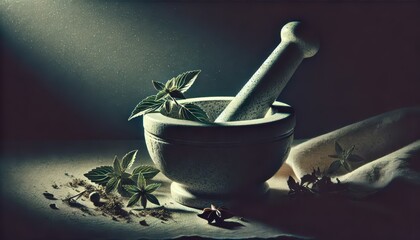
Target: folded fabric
x: 389, y: 145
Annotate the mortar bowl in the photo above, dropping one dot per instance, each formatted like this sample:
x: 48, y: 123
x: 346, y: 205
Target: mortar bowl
x: 218, y: 163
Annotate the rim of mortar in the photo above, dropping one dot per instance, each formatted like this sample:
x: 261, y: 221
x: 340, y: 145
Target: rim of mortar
x: 273, y: 127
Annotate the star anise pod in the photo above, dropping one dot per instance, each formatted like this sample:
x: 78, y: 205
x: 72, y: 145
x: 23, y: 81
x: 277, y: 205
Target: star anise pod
x: 215, y: 214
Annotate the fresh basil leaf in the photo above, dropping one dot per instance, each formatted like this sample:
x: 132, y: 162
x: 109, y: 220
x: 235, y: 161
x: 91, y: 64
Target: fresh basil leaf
x: 152, y: 198
x: 128, y: 160
x: 146, y: 170
x: 347, y: 166
x: 143, y: 200
x: 141, y: 181
x: 161, y: 95
x: 177, y: 94
x: 133, y: 199
x: 158, y: 85
x: 185, y: 80
x: 193, y: 112
x: 168, y: 106
x: 170, y: 84
x: 117, y: 166
x: 131, y: 188
x: 334, y: 166
x: 100, y: 175
x: 147, y: 105
x: 152, y: 187
x: 338, y: 148
x: 112, y: 184
x: 348, y: 152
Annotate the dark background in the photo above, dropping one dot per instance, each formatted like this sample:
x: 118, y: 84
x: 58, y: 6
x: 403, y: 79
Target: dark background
x: 76, y: 69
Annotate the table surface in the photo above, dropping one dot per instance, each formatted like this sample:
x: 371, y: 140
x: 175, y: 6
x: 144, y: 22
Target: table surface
x: 28, y: 169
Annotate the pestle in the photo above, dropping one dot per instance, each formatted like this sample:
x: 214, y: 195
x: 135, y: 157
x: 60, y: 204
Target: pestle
x: 255, y: 98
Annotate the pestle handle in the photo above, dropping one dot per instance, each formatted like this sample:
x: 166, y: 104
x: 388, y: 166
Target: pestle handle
x: 259, y: 93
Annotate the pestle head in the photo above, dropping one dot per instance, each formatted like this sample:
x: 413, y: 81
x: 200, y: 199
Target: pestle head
x: 302, y: 36
x: 262, y: 89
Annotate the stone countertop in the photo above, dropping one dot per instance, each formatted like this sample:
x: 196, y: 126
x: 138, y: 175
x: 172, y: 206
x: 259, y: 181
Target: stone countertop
x: 29, y: 169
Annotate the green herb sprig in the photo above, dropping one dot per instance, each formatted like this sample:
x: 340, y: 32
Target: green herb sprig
x: 345, y: 158
x: 143, y: 192
x: 117, y: 177
x: 314, y: 184
x: 166, y: 97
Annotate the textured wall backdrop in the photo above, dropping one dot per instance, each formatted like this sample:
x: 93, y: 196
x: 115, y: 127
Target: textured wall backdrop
x: 75, y: 69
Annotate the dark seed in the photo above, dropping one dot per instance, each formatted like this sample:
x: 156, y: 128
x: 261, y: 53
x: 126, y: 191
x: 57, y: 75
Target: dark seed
x: 53, y: 206
x: 94, y: 197
x: 143, y: 223
x: 49, y: 196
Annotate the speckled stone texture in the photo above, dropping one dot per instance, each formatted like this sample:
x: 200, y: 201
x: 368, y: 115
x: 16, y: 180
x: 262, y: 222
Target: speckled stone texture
x: 219, y: 161
x: 256, y: 97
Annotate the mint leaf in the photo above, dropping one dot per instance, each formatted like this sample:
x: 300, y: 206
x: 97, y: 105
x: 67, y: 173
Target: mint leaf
x: 152, y: 199
x: 334, y: 166
x: 347, y: 166
x: 146, y: 170
x: 117, y: 166
x: 128, y: 160
x: 185, y: 80
x: 131, y: 189
x: 177, y: 94
x: 168, y: 106
x: 193, y: 112
x: 158, y: 85
x: 161, y: 95
x: 147, y: 105
x: 152, y: 187
x: 170, y: 84
x: 133, y: 199
x: 141, y: 181
x: 100, y: 175
x: 143, y: 200
x: 112, y: 184
x: 338, y: 148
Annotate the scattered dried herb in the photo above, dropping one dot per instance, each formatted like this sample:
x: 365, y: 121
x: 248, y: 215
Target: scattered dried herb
x: 161, y: 213
x: 114, y: 207
x: 345, y: 158
x: 165, y: 99
x: 215, y: 214
x: 53, y: 206
x: 314, y: 184
x: 49, y: 196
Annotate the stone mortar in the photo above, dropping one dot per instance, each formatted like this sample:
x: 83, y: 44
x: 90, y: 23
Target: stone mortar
x: 215, y: 163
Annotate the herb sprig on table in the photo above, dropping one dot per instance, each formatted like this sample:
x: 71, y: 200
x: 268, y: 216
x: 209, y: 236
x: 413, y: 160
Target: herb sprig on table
x: 317, y: 182
x: 314, y: 184
x: 165, y: 101
x: 117, y: 177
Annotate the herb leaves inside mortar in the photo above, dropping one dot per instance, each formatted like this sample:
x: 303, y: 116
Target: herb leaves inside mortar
x: 165, y: 100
